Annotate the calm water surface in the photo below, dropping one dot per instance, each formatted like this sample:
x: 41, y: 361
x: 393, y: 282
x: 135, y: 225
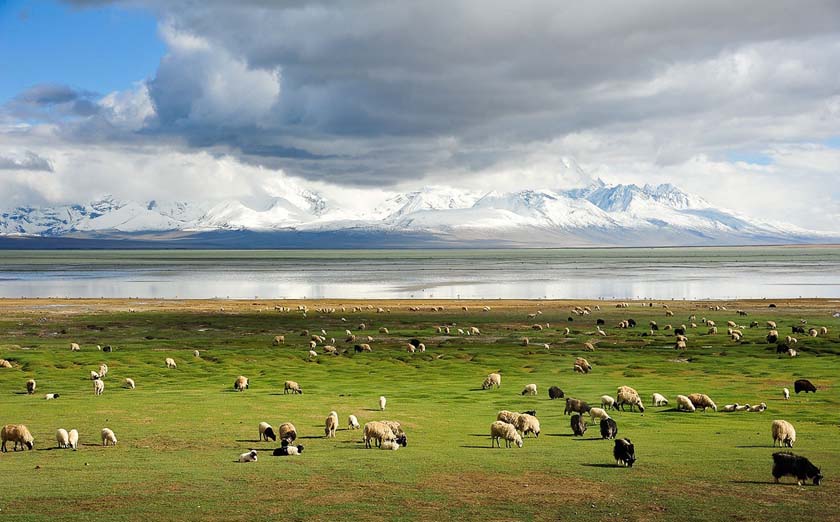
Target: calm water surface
x: 662, y: 273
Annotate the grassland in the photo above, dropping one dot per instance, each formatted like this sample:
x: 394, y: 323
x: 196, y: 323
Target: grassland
x: 180, y: 430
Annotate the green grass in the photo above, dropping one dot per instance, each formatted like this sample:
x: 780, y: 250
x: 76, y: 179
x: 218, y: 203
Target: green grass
x: 180, y: 430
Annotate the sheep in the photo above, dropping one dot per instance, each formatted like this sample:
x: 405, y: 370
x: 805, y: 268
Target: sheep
x: 266, y: 431
x: 758, y: 408
x: 624, y: 453
x: 287, y: 432
x: 353, y: 422
x: 108, y: 437
x: 684, y: 404
x: 286, y: 450
x: 575, y: 405
x: 62, y: 438
x: 583, y: 365
x: 627, y: 395
x: 241, y: 383
x: 17, y: 433
x: 609, y: 429
x: 278, y: 340
x: 701, y: 400
x: 555, y: 393
x: 502, y: 430
x: 313, y: 354
x: 823, y: 330
x: 103, y: 370
x: 5, y: 364
x: 530, y: 389
x: 728, y: 408
x: 196, y: 353
x: 128, y: 383
x: 657, y: 399
x: 73, y: 439
x: 742, y: 407
x: 786, y: 393
x: 332, y: 350
x: 74, y: 347
x: 598, y: 414
x: 396, y: 427
x: 607, y: 402
x: 528, y: 424
x: 94, y: 375
x: 772, y: 336
x: 98, y: 387
x: 589, y: 347
x: 170, y: 363
x: 493, y: 380
x: 771, y: 325
x: 382, y: 401
x: 507, y: 416
x: 30, y: 386
x: 474, y: 331
x: 713, y: 330
x: 804, y: 385
x: 578, y: 425
x: 377, y: 431
x: 783, y: 433
x: 251, y: 456
x: 293, y: 387
x: 786, y: 463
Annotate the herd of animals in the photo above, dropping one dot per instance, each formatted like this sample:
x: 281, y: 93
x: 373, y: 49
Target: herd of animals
x: 508, y: 426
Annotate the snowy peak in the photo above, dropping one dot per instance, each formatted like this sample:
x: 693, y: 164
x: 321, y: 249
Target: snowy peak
x: 624, y: 198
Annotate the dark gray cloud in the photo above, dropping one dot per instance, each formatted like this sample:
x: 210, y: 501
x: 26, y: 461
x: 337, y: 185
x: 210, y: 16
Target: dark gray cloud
x: 47, y: 101
x: 28, y: 161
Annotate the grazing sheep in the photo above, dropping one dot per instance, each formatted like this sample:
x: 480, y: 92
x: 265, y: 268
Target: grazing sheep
x: 627, y: 395
x: 94, y: 375
x: 73, y: 439
x: 51, y: 396
x: 377, y: 431
x: 266, y: 431
x: 530, y: 389
x: 578, y: 425
x: 278, y: 340
x: 108, y: 437
x: 598, y: 414
x: 287, y: 432
x: 382, y: 401
x: 74, y: 347
x: 583, y: 365
x: 313, y: 354
x: 396, y: 427
x: 241, y: 383
x: 103, y: 370
x: 502, y: 430
x: 783, y: 433
x: 291, y: 386
x: 128, y: 383
x: 772, y: 336
x: 607, y: 402
x: 589, y: 347
x: 353, y: 422
x: 804, y: 385
x: 62, y: 438
x: 30, y: 386
x: 701, y: 400
x: 624, y: 453
x: 528, y: 424
x: 713, y: 330
x: 196, y: 353
x: 575, y: 405
x: 251, y: 456
x: 170, y: 363
x: 771, y: 325
x: 659, y: 400
x: 823, y: 330
x: 493, y: 380
x: 609, y: 429
x: 786, y: 393
x: 507, y: 416
x: 17, y: 433
x: 330, y: 425
x: 555, y: 393
x: 786, y: 463
x: 684, y: 404
x: 98, y: 387
x: 287, y: 450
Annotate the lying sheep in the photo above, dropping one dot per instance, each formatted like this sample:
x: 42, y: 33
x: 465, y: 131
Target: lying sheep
x: 330, y: 425
x: 266, y: 431
x: 659, y: 400
x: 241, y: 383
x: 30, y: 386
x: 758, y: 408
x: 293, y: 387
x: 250, y: 456
x: 62, y: 438
x: 353, y: 422
x: 728, y: 408
x: 170, y: 363
x: 578, y: 425
x: 701, y: 400
x: 128, y: 383
x: 528, y: 424
x: 530, y: 389
x: 98, y: 387
x: 684, y: 404
x: 108, y: 437
x: 502, y: 430
x: 493, y: 380
x: 783, y: 433
x: 73, y: 439
x: 5, y: 364
x: 17, y: 433
x: 287, y: 450
x: 51, y: 396
x: 628, y: 395
x: 287, y: 432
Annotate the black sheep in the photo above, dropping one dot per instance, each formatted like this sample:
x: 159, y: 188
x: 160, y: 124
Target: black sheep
x: 555, y: 393
x: 679, y: 331
x: 631, y: 323
x: 804, y: 385
x: 786, y: 463
x: 532, y: 413
x: 600, y: 322
x: 415, y: 343
x: 609, y: 429
x: 798, y: 329
x: 287, y: 450
x: 578, y: 425
x: 624, y: 453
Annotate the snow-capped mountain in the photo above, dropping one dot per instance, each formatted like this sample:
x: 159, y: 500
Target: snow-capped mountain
x: 619, y: 215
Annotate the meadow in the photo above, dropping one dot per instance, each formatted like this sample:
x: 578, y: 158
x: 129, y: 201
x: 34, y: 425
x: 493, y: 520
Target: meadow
x: 181, y: 430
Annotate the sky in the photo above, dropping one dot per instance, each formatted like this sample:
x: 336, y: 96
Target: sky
x: 737, y: 102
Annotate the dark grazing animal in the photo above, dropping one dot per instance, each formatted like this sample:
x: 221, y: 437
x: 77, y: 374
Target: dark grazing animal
x: 679, y: 331
x: 798, y: 329
x: 532, y: 413
x: 631, y: 323
x: 786, y: 463
x: 782, y: 348
x: 804, y: 385
x: 107, y: 348
x: 358, y: 348
x: 771, y: 305
x: 624, y: 453
x: 578, y: 425
x: 415, y: 343
x: 654, y: 326
x: 570, y: 319
x: 555, y: 393
x: 600, y: 322
x: 575, y: 405
x: 609, y: 429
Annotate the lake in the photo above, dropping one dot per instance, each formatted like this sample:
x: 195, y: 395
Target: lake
x: 631, y: 273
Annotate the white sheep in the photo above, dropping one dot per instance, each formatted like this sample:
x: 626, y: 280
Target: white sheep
x: 598, y: 414
x: 684, y: 404
x: 266, y: 431
x: 728, y: 408
x: 528, y: 424
x: 108, y: 437
x: 389, y: 445
x: 98, y: 387
x: 51, y: 396
x: 251, y: 456
x: 607, y: 402
x: 128, y: 383
x: 331, y: 424
x: 502, y: 430
x: 352, y: 422
x: 530, y: 389
x: 377, y: 431
x: 74, y: 347
x: 784, y: 433
x: 63, y: 438
x: 170, y: 363
x: 382, y: 401
x: 313, y: 354
x: 786, y: 393
x: 94, y: 375
x: 196, y: 353
x: 659, y: 400
x: 73, y: 439
x: 103, y: 370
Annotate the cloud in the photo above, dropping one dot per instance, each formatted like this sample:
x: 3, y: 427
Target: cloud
x: 27, y: 161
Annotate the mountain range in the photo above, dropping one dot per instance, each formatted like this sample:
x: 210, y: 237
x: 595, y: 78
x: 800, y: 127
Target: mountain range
x: 596, y: 215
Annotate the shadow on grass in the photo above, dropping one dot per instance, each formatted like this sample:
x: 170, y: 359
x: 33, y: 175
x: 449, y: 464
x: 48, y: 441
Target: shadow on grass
x: 586, y: 440
x: 479, y: 447
x: 757, y: 446
x: 613, y: 466
x: 759, y: 482
x: 560, y: 434
x: 252, y: 440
